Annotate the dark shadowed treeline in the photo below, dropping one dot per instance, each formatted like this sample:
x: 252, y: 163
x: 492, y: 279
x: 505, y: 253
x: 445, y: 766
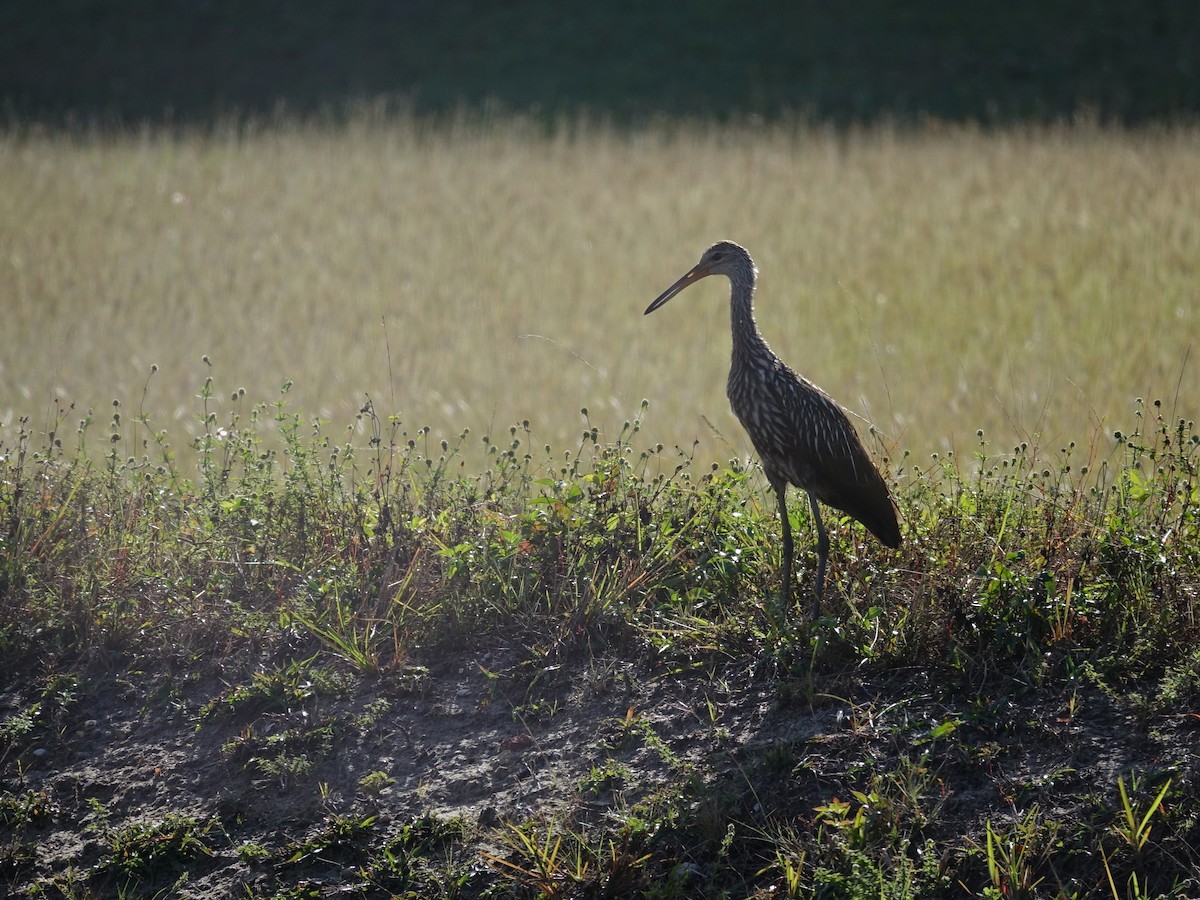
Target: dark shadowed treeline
x: 125, y: 63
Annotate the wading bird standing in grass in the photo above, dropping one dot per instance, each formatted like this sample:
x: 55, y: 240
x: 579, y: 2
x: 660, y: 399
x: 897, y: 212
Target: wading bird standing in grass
x: 802, y: 435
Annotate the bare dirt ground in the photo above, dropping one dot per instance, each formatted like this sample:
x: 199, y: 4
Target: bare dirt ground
x: 480, y: 739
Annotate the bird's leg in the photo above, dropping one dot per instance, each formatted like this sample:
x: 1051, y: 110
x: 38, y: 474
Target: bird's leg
x: 822, y: 553
x: 781, y: 493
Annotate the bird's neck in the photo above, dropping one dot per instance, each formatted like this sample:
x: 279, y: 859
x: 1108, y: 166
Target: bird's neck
x: 747, y: 341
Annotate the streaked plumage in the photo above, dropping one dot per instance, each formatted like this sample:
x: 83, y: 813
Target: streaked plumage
x: 801, y: 434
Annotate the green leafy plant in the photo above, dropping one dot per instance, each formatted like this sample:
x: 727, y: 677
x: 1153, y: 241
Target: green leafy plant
x: 1133, y: 824
x: 1015, y: 856
x: 143, y: 849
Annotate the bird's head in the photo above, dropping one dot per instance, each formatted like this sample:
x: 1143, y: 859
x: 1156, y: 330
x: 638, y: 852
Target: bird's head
x: 722, y: 258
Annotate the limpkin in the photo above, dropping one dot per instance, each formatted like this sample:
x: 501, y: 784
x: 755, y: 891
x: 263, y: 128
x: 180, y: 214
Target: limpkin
x: 802, y: 435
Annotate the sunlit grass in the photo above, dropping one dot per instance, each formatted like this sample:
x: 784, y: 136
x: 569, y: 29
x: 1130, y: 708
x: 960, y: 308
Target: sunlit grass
x: 1030, y: 282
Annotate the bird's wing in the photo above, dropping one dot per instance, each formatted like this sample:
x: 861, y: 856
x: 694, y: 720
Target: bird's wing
x: 803, y: 436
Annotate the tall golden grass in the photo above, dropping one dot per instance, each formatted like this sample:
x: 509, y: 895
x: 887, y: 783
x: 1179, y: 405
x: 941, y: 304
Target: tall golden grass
x: 1028, y: 282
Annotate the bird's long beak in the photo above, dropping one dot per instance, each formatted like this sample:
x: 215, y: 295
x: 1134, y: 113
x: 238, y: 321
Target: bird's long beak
x: 690, y: 278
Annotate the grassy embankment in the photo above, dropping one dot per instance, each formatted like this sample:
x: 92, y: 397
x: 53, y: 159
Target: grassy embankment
x: 1004, y: 707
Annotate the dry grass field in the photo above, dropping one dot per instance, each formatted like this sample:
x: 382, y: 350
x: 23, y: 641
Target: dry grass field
x: 1028, y: 282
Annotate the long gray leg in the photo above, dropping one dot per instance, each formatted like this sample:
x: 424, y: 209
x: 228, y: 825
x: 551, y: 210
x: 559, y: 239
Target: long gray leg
x: 781, y: 493
x: 822, y: 553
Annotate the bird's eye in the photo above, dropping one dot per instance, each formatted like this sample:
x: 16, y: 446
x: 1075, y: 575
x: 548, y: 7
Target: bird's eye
x: 716, y: 257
